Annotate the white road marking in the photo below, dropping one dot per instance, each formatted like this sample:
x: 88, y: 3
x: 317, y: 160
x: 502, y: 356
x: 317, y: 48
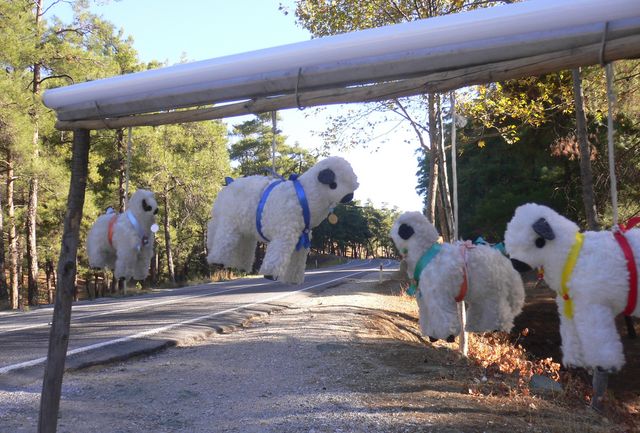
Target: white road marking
x: 154, y: 331
x: 151, y: 303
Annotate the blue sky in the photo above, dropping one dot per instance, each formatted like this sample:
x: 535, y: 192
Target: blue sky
x: 169, y: 30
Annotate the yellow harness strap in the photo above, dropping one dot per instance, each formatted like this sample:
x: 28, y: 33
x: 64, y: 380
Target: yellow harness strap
x: 569, y: 264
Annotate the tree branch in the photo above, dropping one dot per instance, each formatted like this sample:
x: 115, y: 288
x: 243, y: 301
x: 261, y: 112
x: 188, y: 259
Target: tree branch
x: 55, y: 2
x: 414, y: 125
x: 399, y: 10
x: 68, y: 77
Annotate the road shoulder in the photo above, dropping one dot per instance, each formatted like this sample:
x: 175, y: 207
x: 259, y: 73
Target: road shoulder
x: 349, y: 359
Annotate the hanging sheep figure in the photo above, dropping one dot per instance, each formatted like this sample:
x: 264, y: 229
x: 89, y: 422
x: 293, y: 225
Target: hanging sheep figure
x: 446, y: 274
x: 124, y: 242
x: 593, y: 273
x: 281, y: 213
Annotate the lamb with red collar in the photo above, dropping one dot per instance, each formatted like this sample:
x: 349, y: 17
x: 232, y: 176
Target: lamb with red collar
x: 591, y: 274
x: 493, y: 290
x: 124, y: 242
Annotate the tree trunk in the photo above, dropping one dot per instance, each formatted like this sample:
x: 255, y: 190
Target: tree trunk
x: 4, y: 289
x: 59, y: 334
x: 153, y: 272
x: 32, y: 250
x: 167, y: 237
x: 444, y: 179
x: 32, y: 208
x: 11, y: 236
x: 51, y: 279
x: 432, y: 190
x: 442, y: 218
x: 76, y: 290
x: 586, y: 174
x: 120, y: 150
x: 21, y: 286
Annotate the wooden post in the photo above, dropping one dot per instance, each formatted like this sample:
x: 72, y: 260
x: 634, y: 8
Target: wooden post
x: 59, y: 335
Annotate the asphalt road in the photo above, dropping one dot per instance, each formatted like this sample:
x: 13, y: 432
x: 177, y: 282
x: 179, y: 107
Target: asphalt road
x: 110, y: 329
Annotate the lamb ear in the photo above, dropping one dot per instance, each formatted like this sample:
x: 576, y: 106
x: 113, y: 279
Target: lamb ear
x: 405, y: 231
x: 543, y: 228
x: 327, y: 176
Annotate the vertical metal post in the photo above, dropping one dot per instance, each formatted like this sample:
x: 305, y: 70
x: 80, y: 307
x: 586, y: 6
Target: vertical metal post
x: 59, y: 334
x: 599, y: 385
x: 454, y: 165
x: 611, y: 99
x: 601, y: 377
x: 464, y: 336
x: 127, y: 168
x: 462, y: 311
x: 274, y: 128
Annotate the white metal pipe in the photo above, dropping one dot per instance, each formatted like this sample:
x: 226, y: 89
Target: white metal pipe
x: 114, y: 96
x: 357, y: 71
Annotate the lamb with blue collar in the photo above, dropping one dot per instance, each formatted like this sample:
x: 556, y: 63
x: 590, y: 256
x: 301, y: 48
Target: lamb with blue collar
x: 445, y: 274
x: 279, y: 212
x: 124, y: 242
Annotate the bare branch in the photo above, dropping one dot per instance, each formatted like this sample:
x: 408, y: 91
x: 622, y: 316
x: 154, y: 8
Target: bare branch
x: 68, y: 77
x: 399, y: 10
x: 55, y: 2
x: 414, y: 125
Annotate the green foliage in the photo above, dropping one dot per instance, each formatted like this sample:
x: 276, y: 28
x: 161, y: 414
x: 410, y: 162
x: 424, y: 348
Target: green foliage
x: 510, y: 105
x: 185, y: 165
x: 323, y: 18
x: 495, y: 179
x: 361, y: 231
x: 252, y: 152
x: 536, y: 116
x: 171, y: 161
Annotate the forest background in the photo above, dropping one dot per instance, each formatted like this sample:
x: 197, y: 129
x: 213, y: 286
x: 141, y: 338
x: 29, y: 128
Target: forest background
x: 540, y: 139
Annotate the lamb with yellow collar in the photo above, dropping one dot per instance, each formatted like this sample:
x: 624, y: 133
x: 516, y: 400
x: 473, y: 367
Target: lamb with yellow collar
x: 590, y: 274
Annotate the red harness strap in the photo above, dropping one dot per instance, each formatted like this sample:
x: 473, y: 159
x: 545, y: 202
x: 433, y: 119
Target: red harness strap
x: 465, y: 281
x: 112, y: 222
x: 631, y: 263
x: 464, y: 286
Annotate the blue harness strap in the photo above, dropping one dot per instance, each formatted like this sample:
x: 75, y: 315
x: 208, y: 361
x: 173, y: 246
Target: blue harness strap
x: 261, y: 204
x: 144, y: 239
x: 304, y: 241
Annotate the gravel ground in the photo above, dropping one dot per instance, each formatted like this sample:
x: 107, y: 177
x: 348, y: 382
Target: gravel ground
x: 348, y: 360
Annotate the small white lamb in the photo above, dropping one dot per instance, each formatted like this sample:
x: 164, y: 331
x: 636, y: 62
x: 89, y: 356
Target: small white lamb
x: 590, y: 274
x: 124, y: 242
x: 259, y: 208
x: 494, y: 293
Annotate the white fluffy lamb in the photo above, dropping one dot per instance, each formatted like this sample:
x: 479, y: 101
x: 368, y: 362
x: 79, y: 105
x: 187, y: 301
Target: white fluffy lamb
x: 124, y: 242
x: 494, y: 294
x: 596, y: 281
x: 259, y: 208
